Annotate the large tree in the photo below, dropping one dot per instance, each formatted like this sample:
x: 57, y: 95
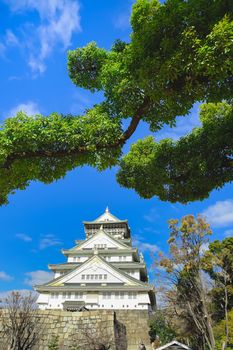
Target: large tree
x: 187, y: 294
x: 218, y: 262
x: 179, y: 53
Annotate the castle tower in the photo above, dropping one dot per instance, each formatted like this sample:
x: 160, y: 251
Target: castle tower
x: 103, y: 271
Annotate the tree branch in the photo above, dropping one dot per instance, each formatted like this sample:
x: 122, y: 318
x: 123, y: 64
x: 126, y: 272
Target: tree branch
x: 81, y: 150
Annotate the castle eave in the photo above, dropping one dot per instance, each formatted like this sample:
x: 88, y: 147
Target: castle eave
x: 101, y: 251
x: 70, y: 265
x: 92, y: 288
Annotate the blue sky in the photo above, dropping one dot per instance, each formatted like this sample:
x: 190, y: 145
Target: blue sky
x: 38, y: 222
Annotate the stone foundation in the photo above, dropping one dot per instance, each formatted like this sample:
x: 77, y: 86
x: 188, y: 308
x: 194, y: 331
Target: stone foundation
x: 136, y: 324
x: 122, y: 329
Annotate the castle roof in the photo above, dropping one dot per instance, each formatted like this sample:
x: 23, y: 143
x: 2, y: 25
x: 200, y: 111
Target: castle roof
x: 94, y: 265
x: 108, y: 239
x: 106, y: 217
x: 174, y: 345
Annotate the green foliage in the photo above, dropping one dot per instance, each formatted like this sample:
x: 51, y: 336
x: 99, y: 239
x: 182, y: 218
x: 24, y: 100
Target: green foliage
x: 54, y: 343
x: 54, y: 145
x: 219, y: 332
x: 84, y: 66
x: 186, y: 169
x: 180, y: 53
x: 160, y: 329
x: 224, y: 250
x: 218, y: 263
x: 186, y: 295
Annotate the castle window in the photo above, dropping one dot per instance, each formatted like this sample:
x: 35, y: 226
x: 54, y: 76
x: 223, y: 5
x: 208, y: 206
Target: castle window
x: 119, y: 295
x: 122, y: 258
x: 76, y: 258
x: 78, y: 295
x: 100, y: 246
x: 107, y: 295
x: 132, y: 295
x: 94, y: 277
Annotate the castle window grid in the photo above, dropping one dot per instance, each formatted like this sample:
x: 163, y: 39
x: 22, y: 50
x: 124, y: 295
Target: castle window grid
x: 94, y: 277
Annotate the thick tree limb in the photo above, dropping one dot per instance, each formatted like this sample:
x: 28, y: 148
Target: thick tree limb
x: 80, y: 150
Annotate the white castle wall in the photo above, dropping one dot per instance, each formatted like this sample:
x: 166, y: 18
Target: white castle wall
x: 104, y: 300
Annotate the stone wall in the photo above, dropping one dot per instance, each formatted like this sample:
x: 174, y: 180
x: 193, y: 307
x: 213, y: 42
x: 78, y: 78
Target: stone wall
x: 137, y: 329
x: 122, y: 329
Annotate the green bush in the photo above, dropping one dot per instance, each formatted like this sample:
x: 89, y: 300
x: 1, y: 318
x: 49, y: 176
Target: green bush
x: 53, y: 344
x: 220, y: 331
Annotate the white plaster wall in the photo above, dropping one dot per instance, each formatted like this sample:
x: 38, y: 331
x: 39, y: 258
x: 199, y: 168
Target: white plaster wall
x: 43, y: 301
x: 55, y: 301
x: 133, y: 273
x: 77, y: 258
x: 101, y: 240
x: 122, y: 258
x: 57, y: 274
x: 98, y: 301
x: 108, y: 258
x: 94, y: 270
x: 143, y: 298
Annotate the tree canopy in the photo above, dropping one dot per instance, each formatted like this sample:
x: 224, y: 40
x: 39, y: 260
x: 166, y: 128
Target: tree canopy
x: 196, y: 307
x: 179, y: 53
x: 218, y: 263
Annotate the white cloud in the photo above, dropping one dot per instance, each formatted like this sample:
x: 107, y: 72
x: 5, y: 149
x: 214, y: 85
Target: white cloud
x: 23, y: 237
x: 220, y: 214
x: 152, y: 216
x: 82, y: 101
x: 122, y: 21
x: 228, y: 233
x: 150, y: 229
x: 49, y: 241
x: 144, y: 247
x: 30, y: 108
x: 5, y: 277
x: 38, y: 277
x: 11, y: 39
x: 184, y: 125
x: 59, y: 19
x: 152, y: 248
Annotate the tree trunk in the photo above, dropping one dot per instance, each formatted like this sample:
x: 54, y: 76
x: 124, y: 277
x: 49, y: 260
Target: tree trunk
x: 226, y: 311
x: 209, y: 327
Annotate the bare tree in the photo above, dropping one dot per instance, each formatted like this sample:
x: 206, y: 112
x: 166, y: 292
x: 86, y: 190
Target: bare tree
x: 100, y: 336
x: 21, y: 325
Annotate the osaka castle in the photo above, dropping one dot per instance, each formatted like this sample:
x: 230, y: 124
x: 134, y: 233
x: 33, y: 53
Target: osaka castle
x: 104, y: 271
